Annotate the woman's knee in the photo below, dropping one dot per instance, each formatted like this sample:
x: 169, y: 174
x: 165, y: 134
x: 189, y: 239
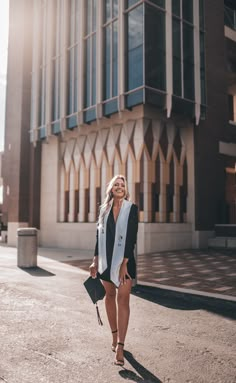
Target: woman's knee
x: 110, y: 295
x: 123, y: 300
x: 110, y: 290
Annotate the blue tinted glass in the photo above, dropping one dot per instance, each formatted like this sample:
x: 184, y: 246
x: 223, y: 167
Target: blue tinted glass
x: 40, y: 97
x: 135, y: 48
x: 76, y: 79
x: 76, y: 20
x: 188, y: 59
x: 155, y: 55
x: 187, y: 9
x: 107, y: 62
x: 160, y: 3
x: 58, y: 103
x: 94, y: 17
x: 201, y: 14
x: 176, y: 7
x: 107, y: 10
x: 134, y: 98
x: 176, y: 47
x: 130, y: 3
x: 89, y: 17
x: 94, y: 77
x: 115, y: 59
x: 54, y: 91
x: 202, y: 68
x: 88, y: 70
x: 115, y: 8
x: 70, y: 101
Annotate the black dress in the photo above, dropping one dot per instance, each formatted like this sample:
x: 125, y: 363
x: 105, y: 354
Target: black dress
x: 131, y: 237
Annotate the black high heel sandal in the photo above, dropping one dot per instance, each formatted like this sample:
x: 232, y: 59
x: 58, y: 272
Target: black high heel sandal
x: 113, y: 347
x: 119, y: 362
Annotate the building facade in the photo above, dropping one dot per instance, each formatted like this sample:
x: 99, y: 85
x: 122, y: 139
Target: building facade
x: 134, y: 87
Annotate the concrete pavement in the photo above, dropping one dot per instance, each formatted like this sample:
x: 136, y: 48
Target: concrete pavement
x: 49, y: 330
x: 204, y: 272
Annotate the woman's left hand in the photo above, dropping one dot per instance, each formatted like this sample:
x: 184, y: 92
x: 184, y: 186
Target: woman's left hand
x: 123, y: 273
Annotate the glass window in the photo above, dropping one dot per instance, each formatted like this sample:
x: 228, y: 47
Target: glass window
x: 88, y: 73
x: 160, y: 3
x: 91, y: 7
x: 107, y: 10
x: 114, y: 8
x: 107, y: 66
x: 176, y: 47
x: 201, y: 14
x: 176, y: 7
x: 88, y: 5
x: 93, y: 70
x: 94, y: 15
x: 56, y: 62
x: 155, y: 55
x: 187, y: 10
x: 202, y: 68
x: 111, y: 54
x: 42, y: 74
x: 73, y: 57
x: 115, y: 59
x: 188, y: 61
x: 129, y: 3
x: 135, y: 48
x: 90, y: 54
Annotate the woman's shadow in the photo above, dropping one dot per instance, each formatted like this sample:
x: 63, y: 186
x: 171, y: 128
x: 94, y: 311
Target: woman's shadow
x: 144, y: 376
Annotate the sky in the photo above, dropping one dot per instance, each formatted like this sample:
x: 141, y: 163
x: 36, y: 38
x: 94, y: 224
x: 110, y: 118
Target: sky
x: 3, y: 64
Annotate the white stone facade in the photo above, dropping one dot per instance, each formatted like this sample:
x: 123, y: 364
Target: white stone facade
x: 75, y: 173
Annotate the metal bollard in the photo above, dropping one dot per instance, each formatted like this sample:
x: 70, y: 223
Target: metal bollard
x: 27, y: 247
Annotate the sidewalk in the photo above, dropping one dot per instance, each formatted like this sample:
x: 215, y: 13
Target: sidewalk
x: 210, y: 273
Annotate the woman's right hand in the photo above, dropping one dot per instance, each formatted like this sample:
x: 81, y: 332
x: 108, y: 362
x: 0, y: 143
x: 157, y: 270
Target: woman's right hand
x: 93, y: 269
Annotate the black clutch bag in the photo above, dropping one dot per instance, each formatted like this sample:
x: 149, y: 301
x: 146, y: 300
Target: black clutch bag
x: 96, y: 291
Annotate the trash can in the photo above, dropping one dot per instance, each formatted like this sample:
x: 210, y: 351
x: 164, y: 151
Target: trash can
x: 27, y: 247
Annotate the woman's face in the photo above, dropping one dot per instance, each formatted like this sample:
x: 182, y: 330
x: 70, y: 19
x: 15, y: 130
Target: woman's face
x: 118, y: 188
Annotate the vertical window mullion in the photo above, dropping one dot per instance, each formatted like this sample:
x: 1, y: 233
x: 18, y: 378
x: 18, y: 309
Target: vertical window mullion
x: 91, y: 69
x: 91, y: 56
x: 43, y: 112
x: 73, y: 78
x: 72, y: 42
x: 182, y: 51
x: 56, y: 60
x: 111, y: 50
x: 111, y: 58
x: 72, y: 58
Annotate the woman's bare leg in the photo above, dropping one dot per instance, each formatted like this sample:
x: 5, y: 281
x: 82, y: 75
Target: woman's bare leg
x: 110, y: 304
x: 123, y: 299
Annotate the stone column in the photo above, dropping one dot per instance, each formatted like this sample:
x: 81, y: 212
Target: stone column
x: 71, y: 215
x: 62, y: 193
x: 81, y: 215
x: 92, y: 193
x: 162, y: 198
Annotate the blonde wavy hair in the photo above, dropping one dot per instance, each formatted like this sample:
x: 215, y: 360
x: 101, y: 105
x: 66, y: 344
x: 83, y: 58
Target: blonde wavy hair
x: 109, y: 197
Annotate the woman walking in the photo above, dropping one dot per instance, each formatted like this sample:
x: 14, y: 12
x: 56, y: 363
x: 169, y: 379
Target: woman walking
x: 114, y: 260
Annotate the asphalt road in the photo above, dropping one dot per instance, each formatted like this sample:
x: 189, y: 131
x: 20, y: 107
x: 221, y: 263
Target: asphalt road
x: 49, y: 332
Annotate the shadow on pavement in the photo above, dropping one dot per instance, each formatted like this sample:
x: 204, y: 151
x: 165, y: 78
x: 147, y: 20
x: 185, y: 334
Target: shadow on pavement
x: 145, y: 375
x: 181, y: 301
x: 37, y: 272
